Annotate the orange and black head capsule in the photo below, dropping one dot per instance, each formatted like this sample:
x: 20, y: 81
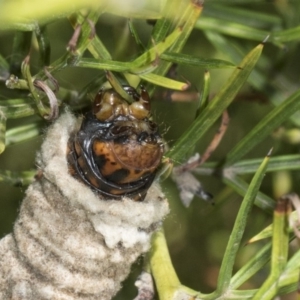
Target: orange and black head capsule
x: 118, y: 148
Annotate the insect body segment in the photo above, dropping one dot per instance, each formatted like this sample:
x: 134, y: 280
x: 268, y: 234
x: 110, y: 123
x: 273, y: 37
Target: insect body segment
x: 118, y: 148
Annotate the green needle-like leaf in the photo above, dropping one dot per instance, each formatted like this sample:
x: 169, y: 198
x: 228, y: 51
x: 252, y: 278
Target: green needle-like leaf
x: 216, y: 107
x: 150, y: 55
x: 268, y: 231
x: 95, y: 46
x: 238, y: 230
x: 163, y: 25
x: 241, y: 14
x: 18, y: 110
x: 17, y: 178
x: 277, y: 163
x: 241, y: 187
x: 180, y: 58
x: 204, y: 96
x: 276, y: 117
x: 235, y: 51
x: 22, y: 133
x: 292, y: 34
x: 103, y: 64
x: 243, y: 31
x: 294, y: 262
x: 230, y: 28
x: 251, y: 267
x: 249, y: 166
x: 164, y: 81
x: 141, y: 65
x: 188, y: 16
x: 265, y: 233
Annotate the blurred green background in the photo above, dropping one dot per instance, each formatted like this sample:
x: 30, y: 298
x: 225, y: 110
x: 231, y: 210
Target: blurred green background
x: 196, y: 235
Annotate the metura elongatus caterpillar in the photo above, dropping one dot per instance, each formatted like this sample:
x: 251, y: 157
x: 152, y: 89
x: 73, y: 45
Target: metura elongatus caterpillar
x: 92, y: 211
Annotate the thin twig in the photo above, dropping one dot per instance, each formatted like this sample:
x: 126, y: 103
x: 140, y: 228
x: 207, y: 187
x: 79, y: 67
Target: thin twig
x: 211, y: 147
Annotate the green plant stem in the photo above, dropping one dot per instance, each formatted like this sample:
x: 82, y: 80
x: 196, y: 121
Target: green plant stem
x: 280, y: 242
x: 162, y: 269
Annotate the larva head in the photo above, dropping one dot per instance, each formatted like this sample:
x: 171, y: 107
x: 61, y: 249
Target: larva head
x: 118, y: 148
x: 108, y: 104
